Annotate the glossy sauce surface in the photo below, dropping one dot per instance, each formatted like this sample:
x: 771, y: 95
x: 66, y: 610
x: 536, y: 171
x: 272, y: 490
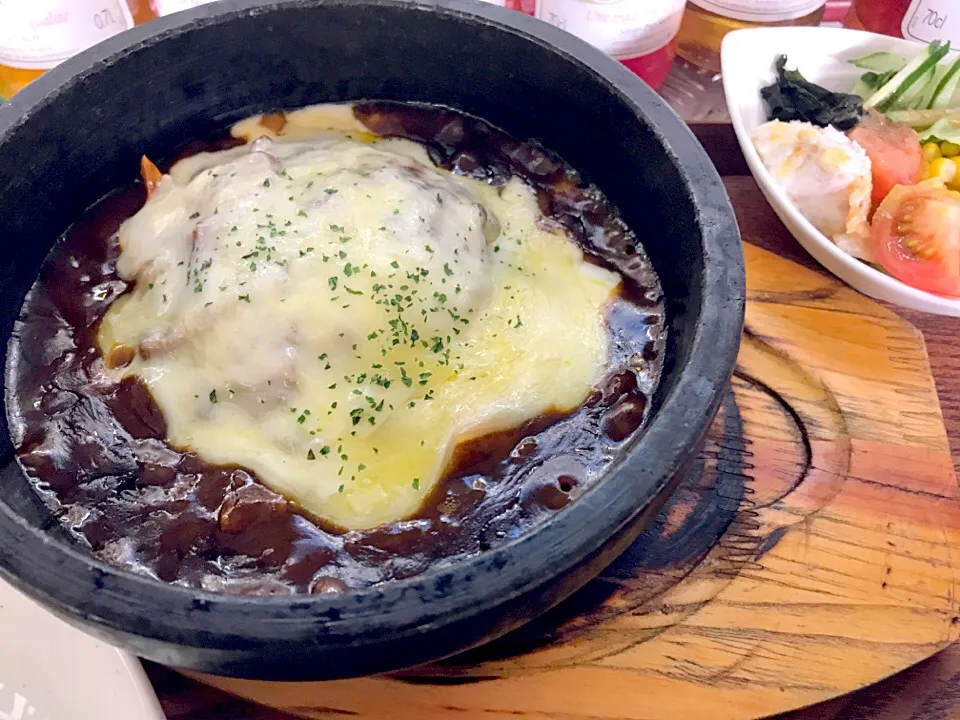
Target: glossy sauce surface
x: 96, y: 450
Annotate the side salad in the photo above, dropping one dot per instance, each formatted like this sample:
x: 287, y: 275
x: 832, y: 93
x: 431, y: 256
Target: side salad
x: 876, y: 169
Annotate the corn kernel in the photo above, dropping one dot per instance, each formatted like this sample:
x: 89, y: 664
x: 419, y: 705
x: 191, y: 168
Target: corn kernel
x: 949, y: 149
x: 943, y: 168
x: 955, y: 183
x: 931, y: 151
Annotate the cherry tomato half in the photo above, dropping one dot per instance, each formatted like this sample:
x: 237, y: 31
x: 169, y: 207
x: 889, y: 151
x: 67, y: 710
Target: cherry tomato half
x: 896, y: 157
x: 916, y: 236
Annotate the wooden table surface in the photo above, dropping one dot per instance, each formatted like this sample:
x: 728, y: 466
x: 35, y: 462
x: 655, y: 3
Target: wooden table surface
x: 929, y: 691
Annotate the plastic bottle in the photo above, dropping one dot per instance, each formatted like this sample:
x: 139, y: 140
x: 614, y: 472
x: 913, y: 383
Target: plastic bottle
x: 921, y: 20
x: 36, y: 35
x: 639, y: 33
x: 707, y: 22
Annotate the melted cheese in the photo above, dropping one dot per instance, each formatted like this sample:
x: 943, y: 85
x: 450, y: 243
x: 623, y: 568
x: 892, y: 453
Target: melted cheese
x: 336, y: 315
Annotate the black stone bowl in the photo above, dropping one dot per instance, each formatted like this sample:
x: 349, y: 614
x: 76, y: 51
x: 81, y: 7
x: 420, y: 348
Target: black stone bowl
x: 79, y: 131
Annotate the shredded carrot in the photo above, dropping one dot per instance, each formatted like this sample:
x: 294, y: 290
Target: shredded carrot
x: 150, y: 173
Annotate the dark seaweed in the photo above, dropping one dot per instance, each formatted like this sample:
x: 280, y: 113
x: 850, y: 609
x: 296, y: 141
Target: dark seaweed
x: 793, y: 97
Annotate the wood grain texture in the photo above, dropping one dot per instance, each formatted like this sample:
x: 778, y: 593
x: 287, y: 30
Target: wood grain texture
x: 760, y: 226
x: 809, y: 553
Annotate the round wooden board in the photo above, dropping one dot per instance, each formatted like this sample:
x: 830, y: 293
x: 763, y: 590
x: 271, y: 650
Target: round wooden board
x: 812, y: 550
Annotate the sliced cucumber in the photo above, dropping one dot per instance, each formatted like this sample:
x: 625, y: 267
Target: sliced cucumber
x: 940, y: 72
x: 887, y: 97
x: 862, y: 89
x: 881, y: 62
x: 943, y: 95
x: 920, y: 119
x: 877, y: 80
x: 881, y: 67
x: 920, y: 93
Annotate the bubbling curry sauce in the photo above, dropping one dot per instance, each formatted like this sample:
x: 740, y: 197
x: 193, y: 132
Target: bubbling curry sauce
x: 96, y: 445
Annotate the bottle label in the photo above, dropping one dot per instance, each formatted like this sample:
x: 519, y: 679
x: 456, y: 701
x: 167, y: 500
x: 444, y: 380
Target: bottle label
x: 761, y: 11
x: 928, y: 20
x: 624, y: 29
x: 167, y: 7
x: 39, y: 34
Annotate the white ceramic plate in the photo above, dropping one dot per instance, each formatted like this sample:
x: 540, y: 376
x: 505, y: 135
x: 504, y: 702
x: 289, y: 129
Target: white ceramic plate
x: 821, y: 55
x: 51, y: 671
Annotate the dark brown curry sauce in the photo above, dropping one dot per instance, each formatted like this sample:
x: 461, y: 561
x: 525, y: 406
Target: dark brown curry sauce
x: 96, y: 450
